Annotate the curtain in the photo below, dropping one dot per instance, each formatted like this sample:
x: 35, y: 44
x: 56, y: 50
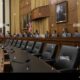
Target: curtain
x: 41, y: 25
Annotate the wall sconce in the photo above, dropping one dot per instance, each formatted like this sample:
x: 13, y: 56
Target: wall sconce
x: 39, y: 14
x: 76, y: 25
x: 27, y: 3
x: 52, y: 25
x: 77, y: 2
x: 14, y: 14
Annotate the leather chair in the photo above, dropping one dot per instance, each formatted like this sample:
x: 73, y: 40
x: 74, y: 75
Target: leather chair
x: 23, y: 45
x: 18, y: 45
x: 8, y: 46
x: 30, y: 46
x: 14, y: 43
x: 68, y: 59
x: 6, y: 42
x: 49, y: 53
x: 10, y: 42
x: 37, y: 50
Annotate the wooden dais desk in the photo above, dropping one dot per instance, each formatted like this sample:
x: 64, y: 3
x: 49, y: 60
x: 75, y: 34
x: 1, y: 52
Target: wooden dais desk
x: 2, y: 62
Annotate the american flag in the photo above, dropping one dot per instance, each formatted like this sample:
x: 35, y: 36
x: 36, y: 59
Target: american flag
x: 30, y: 26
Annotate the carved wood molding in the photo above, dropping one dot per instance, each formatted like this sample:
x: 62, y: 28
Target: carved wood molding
x: 40, y: 12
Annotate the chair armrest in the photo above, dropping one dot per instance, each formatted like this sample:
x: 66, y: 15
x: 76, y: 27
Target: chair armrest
x: 49, y: 60
x: 37, y: 55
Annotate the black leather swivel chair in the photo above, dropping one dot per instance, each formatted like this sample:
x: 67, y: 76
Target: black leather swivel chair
x: 68, y: 59
x: 24, y: 44
x: 14, y: 43
x: 18, y: 45
x: 8, y: 46
x: 6, y: 43
x: 10, y: 42
x: 30, y: 46
x: 49, y: 52
x: 38, y: 48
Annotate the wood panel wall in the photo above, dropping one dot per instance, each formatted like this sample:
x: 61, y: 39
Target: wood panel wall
x: 25, y: 8
x: 72, y: 16
x: 78, y: 8
x: 15, y: 24
x: 40, y: 12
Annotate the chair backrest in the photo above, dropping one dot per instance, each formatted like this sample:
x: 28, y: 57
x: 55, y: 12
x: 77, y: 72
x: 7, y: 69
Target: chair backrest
x: 24, y: 44
x: 18, y: 45
x: 30, y: 46
x: 49, y: 51
x: 14, y: 43
x: 6, y: 42
x: 69, y: 57
x: 10, y: 42
x: 37, y: 48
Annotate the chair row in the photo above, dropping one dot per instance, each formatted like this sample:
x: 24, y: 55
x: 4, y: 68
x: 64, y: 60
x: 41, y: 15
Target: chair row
x: 68, y: 58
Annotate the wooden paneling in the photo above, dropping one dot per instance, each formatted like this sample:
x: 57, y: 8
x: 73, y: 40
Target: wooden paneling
x: 78, y: 7
x: 15, y: 24
x: 40, y: 12
x: 25, y: 8
x: 72, y: 16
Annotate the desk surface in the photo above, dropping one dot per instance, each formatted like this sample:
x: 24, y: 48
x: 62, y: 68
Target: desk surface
x: 34, y: 65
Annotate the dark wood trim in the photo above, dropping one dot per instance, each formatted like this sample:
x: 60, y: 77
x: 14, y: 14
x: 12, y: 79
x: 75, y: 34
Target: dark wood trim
x: 38, y: 13
x: 4, y: 17
x: 71, y: 41
x: 39, y: 7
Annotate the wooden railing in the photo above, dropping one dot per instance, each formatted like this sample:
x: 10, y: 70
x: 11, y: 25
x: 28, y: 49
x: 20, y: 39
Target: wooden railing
x: 59, y: 41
